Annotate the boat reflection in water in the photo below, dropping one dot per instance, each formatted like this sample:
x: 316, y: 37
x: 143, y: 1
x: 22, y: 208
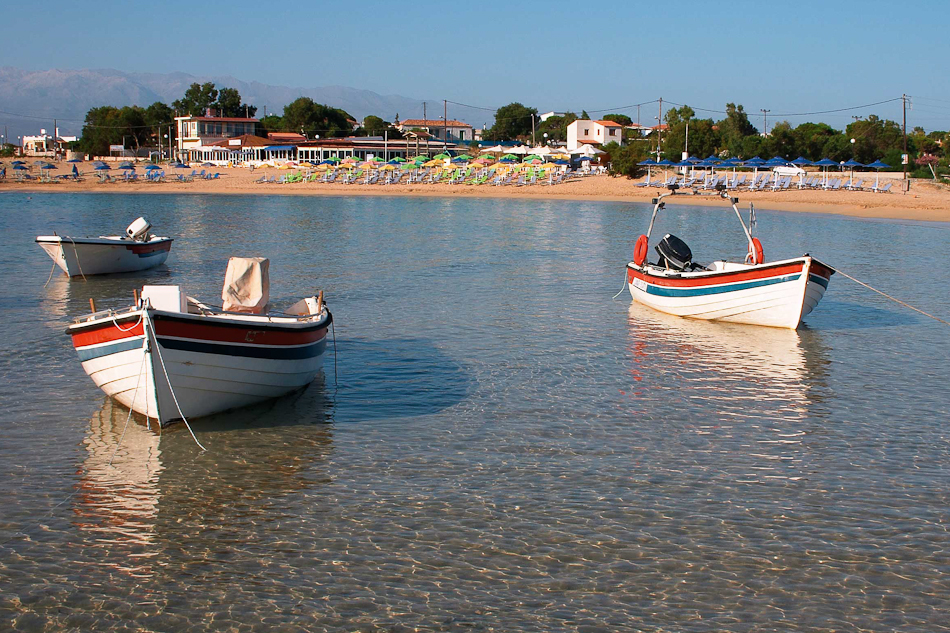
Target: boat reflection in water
x: 162, y: 495
x: 118, y: 501
x: 720, y: 388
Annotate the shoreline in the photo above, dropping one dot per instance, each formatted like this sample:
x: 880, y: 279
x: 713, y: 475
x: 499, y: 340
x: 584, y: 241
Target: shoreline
x: 925, y: 202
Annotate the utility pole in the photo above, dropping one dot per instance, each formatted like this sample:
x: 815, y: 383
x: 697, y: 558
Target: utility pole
x: 686, y: 144
x: 533, y: 142
x: 659, y: 130
x: 638, y: 115
x: 904, y: 156
x: 425, y: 122
x: 445, y: 124
x: 765, y: 121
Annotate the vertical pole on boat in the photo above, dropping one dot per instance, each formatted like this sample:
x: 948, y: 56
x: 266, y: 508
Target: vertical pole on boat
x: 92, y: 304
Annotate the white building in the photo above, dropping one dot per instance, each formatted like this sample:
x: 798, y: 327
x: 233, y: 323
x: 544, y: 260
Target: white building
x: 451, y: 130
x: 593, y: 132
x: 196, y: 131
x: 45, y: 145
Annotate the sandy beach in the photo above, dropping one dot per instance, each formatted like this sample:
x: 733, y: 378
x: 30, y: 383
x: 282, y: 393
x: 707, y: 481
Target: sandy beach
x: 926, y: 201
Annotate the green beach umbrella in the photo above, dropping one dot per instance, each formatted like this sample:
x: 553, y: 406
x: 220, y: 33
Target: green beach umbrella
x: 509, y: 157
x: 334, y: 159
x: 464, y: 157
x: 532, y: 157
x: 399, y: 159
x: 440, y: 156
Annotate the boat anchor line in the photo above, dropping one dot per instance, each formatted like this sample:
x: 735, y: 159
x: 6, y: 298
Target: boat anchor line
x: 78, y: 263
x: 884, y: 294
x: 150, y: 328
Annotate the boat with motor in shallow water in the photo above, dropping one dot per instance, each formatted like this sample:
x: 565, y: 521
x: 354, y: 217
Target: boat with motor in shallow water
x: 137, y: 250
x: 755, y: 292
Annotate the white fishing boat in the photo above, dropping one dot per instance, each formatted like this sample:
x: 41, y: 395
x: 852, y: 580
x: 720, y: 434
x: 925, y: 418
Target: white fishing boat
x: 170, y: 357
x: 137, y: 250
x: 755, y: 292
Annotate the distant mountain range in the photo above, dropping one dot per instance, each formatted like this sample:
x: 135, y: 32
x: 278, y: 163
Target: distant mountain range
x: 31, y: 99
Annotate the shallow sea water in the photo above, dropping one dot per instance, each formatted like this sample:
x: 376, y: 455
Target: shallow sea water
x: 497, y: 445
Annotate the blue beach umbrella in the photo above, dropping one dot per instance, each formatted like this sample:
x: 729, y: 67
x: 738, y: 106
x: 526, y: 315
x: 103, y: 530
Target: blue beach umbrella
x: 102, y: 167
x: 878, y: 165
x: 824, y: 163
x: 851, y: 164
x: 74, y: 160
x: 665, y: 163
x: 801, y: 161
x: 151, y: 167
x: 648, y: 163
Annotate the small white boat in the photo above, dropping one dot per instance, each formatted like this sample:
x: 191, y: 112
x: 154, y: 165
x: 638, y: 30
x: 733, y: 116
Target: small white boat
x: 755, y: 292
x: 80, y: 256
x: 171, y: 357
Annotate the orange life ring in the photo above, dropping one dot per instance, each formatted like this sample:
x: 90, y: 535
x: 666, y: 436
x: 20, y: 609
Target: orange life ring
x: 640, y: 250
x: 756, y: 254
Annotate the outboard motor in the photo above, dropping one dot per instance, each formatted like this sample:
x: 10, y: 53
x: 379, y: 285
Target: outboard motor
x: 674, y: 253
x: 138, y: 230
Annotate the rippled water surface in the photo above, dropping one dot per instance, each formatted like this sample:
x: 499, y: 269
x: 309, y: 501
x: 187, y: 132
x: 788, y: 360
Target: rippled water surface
x: 498, y: 445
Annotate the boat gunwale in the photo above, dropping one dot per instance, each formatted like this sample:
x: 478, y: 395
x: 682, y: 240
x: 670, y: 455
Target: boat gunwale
x: 301, y: 323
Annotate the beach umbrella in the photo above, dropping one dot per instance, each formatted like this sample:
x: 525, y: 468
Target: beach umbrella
x: 824, y: 163
x: 74, y: 160
x: 408, y: 166
x: 441, y: 156
x: 18, y: 162
x: 464, y: 157
x: 126, y: 165
x: 102, y: 167
x: 561, y: 161
x: 151, y: 167
x: 851, y: 164
x: 532, y: 157
x: 337, y: 159
x: 878, y: 165
x: 648, y: 163
x: 664, y: 163
x: 509, y: 157
x: 590, y: 158
x: 801, y: 161
x: 387, y: 167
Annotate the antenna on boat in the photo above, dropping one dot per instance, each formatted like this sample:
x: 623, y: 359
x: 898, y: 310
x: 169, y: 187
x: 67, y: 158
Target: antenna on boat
x: 734, y: 201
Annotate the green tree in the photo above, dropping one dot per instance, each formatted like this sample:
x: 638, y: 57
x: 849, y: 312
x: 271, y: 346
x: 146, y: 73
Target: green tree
x: 511, y: 122
x: 230, y: 105
x: 734, y: 129
x: 108, y: 125
x: 197, y: 99
x: 160, y: 120
x: 811, y: 138
x: 874, y: 137
x: 622, y: 119
x: 624, y: 159
x: 556, y: 126
x: 782, y: 142
x: 311, y: 118
x: 375, y: 126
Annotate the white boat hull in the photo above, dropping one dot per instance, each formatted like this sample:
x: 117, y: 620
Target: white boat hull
x: 776, y: 294
x: 168, y: 365
x: 105, y: 255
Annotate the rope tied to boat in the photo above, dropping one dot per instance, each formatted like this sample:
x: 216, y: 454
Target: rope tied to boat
x: 624, y: 286
x: 894, y: 299
x: 78, y: 263
x: 158, y: 349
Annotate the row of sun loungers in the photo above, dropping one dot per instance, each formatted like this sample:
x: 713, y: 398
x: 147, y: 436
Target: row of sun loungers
x: 764, y: 182
x: 468, y: 176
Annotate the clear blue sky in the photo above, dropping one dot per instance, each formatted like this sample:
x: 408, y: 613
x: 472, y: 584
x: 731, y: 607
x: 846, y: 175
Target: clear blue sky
x: 791, y: 57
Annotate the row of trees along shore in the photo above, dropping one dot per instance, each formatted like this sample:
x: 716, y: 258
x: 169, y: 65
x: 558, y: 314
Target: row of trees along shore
x: 136, y: 127
x: 733, y: 136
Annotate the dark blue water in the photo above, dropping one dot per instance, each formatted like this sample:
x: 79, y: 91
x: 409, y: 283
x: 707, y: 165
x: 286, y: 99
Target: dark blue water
x: 498, y: 445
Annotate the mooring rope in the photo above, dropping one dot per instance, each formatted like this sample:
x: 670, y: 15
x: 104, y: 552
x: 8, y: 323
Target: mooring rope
x: 50, y: 275
x: 135, y: 393
x: 624, y: 287
x: 78, y: 263
x: 336, y: 377
x: 903, y: 303
x: 161, y: 360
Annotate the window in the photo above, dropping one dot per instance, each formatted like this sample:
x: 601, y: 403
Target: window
x: 598, y: 132
x: 586, y: 131
x: 613, y: 132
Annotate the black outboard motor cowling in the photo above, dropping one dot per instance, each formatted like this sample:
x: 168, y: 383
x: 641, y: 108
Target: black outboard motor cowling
x: 674, y: 253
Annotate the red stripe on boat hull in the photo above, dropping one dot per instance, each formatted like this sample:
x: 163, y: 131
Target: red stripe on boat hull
x: 105, y: 333
x: 763, y: 272
x: 259, y: 334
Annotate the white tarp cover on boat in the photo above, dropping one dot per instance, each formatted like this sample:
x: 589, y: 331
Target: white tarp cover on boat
x: 246, y: 285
